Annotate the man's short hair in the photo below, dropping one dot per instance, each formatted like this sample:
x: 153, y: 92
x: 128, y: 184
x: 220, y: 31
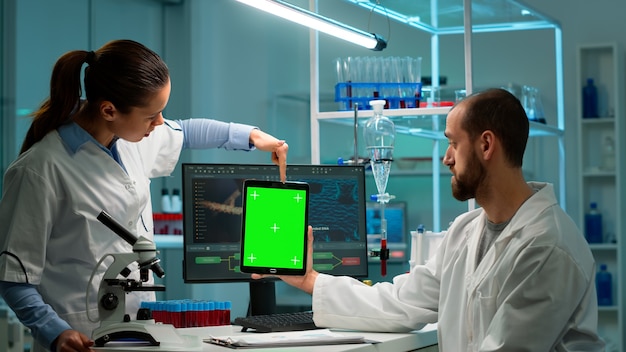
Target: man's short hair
x: 502, y: 113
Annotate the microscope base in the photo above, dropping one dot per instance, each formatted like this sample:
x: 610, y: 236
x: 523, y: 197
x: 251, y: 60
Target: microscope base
x: 131, y: 332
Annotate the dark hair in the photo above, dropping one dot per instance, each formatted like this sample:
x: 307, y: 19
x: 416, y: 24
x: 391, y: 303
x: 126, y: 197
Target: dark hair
x: 502, y: 113
x: 124, y: 72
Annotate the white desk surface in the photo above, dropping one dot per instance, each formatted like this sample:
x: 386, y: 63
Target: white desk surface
x: 388, y: 341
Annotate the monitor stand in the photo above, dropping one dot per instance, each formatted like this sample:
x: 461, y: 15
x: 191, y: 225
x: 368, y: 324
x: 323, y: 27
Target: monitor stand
x: 262, y: 297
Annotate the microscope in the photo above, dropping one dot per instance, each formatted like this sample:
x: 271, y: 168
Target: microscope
x: 115, y: 324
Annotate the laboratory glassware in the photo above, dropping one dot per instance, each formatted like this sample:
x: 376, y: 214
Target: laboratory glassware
x: 380, y: 134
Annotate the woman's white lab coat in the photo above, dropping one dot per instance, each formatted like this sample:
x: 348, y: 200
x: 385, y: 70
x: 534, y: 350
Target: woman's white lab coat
x: 60, y: 193
x: 533, y: 291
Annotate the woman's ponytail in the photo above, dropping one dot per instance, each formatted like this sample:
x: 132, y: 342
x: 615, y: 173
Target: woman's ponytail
x: 65, y: 93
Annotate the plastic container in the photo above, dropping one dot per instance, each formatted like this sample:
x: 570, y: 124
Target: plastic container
x: 604, y: 286
x: 608, y: 154
x: 166, y: 201
x: 177, y: 205
x: 593, y: 224
x: 590, y: 99
x: 415, y: 246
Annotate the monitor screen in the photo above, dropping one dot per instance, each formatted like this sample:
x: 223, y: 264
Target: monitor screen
x: 212, y: 218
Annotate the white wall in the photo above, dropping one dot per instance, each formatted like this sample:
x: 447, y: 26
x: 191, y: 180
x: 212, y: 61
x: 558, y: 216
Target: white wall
x: 582, y: 22
x: 56, y: 27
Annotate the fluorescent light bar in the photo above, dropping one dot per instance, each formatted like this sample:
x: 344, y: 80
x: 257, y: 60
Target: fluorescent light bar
x: 319, y: 23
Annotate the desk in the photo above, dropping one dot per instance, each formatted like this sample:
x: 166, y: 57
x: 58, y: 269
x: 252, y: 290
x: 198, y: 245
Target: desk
x: 388, y: 341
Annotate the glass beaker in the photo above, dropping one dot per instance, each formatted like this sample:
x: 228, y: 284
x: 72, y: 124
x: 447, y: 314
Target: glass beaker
x: 531, y: 101
x: 433, y: 96
x: 459, y: 95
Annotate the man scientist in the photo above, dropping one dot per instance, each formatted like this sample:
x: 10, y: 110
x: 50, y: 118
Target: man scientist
x: 513, y: 275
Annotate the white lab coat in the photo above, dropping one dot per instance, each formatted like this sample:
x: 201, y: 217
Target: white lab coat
x: 60, y: 194
x: 533, y: 291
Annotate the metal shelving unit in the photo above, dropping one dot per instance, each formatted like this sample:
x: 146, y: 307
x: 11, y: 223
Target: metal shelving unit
x: 438, y: 18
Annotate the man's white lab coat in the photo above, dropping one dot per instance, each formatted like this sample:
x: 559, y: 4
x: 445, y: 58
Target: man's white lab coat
x: 533, y: 291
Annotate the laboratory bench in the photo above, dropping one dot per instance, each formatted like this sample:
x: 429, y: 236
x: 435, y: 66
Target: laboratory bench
x: 170, y: 247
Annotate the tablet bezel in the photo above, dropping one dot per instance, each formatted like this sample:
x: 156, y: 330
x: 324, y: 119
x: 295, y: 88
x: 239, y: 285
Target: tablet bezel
x: 300, y: 186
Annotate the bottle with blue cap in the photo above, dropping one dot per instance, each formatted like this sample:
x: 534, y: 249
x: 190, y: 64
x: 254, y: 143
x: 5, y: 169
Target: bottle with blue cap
x: 590, y: 99
x: 593, y: 224
x: 166, y: 201
x: 604, y: 286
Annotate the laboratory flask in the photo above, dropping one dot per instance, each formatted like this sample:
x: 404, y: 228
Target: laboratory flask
x: 531, y: 101
x: 379, y: 132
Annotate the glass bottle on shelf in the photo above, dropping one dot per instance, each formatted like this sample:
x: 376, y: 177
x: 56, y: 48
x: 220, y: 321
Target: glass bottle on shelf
x: 608, y: 154
x: 604, y: 286
x: 593, y: 224
x: 166, y: 201
x: 590, y: 99
x: 531, y: 101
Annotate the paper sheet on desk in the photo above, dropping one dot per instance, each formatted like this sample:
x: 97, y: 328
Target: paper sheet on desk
x: 281, y: 339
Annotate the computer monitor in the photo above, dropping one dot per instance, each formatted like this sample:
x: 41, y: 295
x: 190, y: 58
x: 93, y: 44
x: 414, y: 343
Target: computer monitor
x: 212, y: 222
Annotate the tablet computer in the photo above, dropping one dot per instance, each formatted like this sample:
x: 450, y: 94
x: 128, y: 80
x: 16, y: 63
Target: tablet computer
x: 274, y: 227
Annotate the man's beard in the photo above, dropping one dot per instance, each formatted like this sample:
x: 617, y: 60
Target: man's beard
x: 464, y: 186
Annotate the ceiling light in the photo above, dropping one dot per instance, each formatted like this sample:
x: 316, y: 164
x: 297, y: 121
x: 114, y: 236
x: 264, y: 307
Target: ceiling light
x: 319, y: 23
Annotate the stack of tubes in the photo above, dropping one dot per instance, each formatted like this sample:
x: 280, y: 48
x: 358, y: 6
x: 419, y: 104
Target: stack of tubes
x: 190, y: 313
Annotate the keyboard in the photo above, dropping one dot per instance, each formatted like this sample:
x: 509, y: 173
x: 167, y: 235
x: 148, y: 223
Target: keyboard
x: 294, y: 321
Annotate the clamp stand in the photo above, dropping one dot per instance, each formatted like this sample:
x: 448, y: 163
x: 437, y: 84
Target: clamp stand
x: 115, y: 324
x: 379, y: 135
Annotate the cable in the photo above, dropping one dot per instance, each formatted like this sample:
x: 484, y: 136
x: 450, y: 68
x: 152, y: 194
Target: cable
x: 19, y: 261
x: 89, y: 286
x: 388, y: 21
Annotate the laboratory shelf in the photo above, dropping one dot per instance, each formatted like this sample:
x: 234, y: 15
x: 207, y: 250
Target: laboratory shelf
x: 447, y: 16
x: 424, y: 122
x: 440, y: 18
x: 601, y: 174
x: 332, y: 115
x: 168, y: 241
x: 603, y: 247
x: 608, y: 308
x: 598, y: 121
x: 593, y: 173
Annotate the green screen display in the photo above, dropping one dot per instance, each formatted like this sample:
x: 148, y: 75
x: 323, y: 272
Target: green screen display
x: 274, y: 228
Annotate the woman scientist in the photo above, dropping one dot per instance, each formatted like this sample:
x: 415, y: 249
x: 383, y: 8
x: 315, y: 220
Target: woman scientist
x: 82, y: 157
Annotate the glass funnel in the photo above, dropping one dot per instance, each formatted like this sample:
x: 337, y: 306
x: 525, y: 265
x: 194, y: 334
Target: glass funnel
x: 380, y: 135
